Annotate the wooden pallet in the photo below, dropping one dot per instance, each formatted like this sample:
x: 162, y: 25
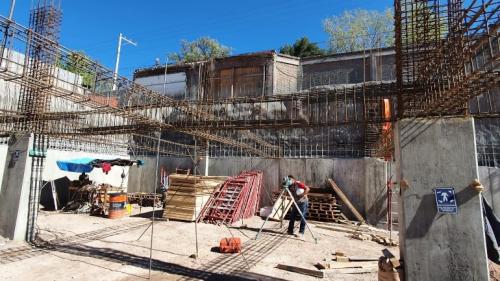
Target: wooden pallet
x: 322, y: 207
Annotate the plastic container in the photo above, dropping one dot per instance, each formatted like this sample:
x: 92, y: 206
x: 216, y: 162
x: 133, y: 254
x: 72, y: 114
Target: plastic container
x: 117, y: 208
x: 265, y: 211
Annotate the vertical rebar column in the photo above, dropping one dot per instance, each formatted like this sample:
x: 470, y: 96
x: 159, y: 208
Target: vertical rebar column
x: 34, y: 99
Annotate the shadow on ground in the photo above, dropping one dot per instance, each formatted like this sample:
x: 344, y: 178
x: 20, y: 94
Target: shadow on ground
x: 225, y: 267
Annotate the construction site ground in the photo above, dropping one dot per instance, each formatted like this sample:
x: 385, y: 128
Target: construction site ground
x: 83, y: 247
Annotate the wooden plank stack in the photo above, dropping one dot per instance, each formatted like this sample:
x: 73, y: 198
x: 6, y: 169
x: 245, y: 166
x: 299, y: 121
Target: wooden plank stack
x: 323, y: 207
x: 144, y: 199
x: 188, y: 194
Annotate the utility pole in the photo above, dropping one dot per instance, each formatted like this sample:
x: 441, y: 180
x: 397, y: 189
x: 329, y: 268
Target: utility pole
x: 11, y: 12
x: 118, y: 51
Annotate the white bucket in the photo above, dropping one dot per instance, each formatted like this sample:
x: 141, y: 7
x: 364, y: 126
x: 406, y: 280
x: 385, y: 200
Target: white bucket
x: 266, y: 211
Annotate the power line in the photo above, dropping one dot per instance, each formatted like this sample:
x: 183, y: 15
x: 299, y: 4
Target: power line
x: 231, y: 21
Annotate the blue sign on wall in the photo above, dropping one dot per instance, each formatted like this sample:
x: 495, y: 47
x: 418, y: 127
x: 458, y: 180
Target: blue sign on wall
x: 446, y: 202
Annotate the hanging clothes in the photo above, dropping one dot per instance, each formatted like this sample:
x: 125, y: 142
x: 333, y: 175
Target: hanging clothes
x: 492, y: 232
x: 106, y: 167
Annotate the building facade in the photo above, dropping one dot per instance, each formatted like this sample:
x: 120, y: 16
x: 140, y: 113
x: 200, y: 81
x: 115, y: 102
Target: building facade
x: 266, y: 73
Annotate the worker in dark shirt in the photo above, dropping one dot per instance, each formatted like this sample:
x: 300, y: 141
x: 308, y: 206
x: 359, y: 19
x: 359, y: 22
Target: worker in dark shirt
x: 299, y: 191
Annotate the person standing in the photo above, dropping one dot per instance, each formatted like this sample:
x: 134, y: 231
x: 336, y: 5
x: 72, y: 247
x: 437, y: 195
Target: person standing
x: 299, y: 191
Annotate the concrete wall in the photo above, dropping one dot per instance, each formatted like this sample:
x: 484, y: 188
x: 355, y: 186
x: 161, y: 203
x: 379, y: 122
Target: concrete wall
x: 14, y: 195
x: 15, y: 176
x: 435, y: 153
x: 490, y: 178
x: 3, y: 155
x: 142, y: 179
x: 363, y: 180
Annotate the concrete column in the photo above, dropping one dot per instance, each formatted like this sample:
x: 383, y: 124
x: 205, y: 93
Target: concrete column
x: 434, y: 153
x: 14, y: 195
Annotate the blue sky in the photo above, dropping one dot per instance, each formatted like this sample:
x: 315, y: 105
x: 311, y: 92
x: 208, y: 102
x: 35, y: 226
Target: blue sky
x: 158, y: 26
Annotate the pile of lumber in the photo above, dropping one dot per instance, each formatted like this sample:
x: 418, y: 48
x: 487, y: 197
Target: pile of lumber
x: 360, y: 232
x: 238, y: 198
x: 323, y: 207
x: 144, y: 199
x: 387, y: 266
x: 188, y: 194
x: 376, y: 238
x: 340, y: 263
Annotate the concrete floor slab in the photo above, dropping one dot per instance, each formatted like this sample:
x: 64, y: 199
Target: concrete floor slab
x: 93, y: 248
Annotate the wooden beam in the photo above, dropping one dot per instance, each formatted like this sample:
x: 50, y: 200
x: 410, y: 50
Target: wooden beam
x: 332, y: 272
x: 337, y: 229
x: 311, y: 272
x: 346, y: 201
x: 337, y: 265
x: 357, y: 259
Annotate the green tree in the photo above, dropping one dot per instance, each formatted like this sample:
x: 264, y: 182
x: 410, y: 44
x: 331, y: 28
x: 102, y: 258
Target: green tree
x: 79, y: 63
x: 302, y: 48
x: 360, y: 29
x: 203, y: 48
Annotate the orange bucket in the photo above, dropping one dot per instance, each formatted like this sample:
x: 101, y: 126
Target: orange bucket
x: 117, y: 205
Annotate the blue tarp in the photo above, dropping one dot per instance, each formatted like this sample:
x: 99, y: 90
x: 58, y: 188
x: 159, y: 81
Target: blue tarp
x: 86, y: 164
x: 81, y: 165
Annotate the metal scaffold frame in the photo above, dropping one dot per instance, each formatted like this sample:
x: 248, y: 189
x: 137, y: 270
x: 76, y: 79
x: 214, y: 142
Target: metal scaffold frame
x: 445, y: 55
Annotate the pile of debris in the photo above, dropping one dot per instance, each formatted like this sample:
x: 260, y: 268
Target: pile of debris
x: 91, y: 198
x: 187, y: 195
x: 80, y: 200
x: 238, y: 198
